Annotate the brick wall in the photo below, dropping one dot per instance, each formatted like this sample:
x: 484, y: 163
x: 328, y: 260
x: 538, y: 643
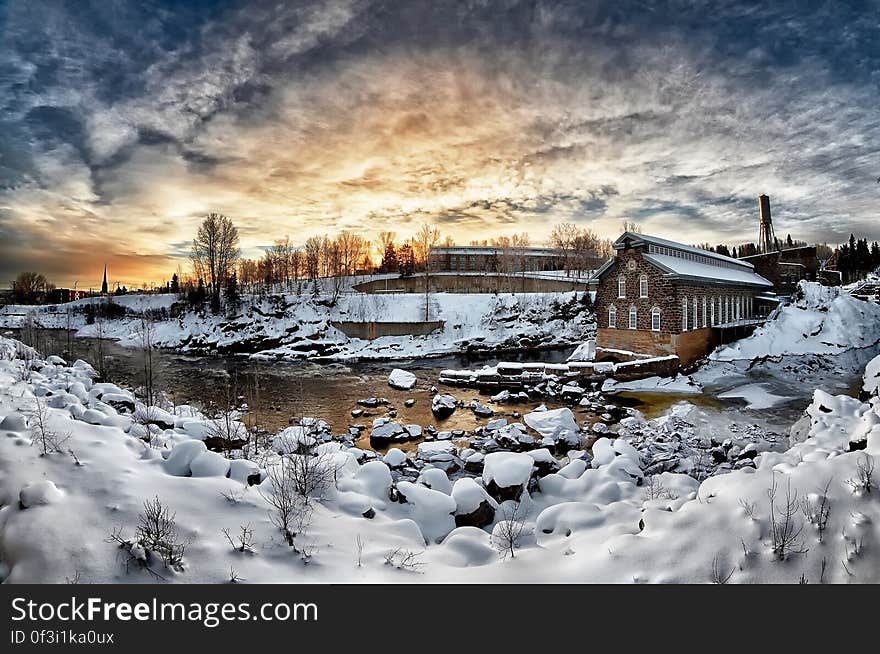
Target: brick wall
x: 668, y: 296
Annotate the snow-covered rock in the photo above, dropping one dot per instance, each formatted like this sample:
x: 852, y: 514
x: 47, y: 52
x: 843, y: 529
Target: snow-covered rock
x: 443, y: 406
x: 181, y: 457
x: 395, y: 458
x: 506, y: 474
x: 558, y: 424
x: 39, y: 492
x: 209, y: 464
x: 432, y: 510
x: 401, y: 379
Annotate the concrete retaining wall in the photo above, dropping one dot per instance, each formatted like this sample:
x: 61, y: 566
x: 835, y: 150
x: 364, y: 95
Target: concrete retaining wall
x: 487, y: 283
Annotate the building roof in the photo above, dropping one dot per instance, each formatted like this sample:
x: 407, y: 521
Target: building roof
x: 678, y: 268
x: 640, y: 239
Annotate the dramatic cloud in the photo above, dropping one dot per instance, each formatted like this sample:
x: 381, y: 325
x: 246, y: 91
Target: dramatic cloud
x: 121, y: 123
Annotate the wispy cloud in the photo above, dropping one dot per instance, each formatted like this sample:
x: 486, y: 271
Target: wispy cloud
x: 124, y: 122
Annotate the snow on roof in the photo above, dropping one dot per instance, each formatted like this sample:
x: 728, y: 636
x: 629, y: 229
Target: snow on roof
x: 662, y: 242
x: 678, y: 267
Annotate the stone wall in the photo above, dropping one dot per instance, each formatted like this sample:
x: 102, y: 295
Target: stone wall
x: 371, y: 330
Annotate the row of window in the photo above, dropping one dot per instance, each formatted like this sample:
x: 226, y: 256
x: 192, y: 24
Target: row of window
x: 634, y: 318
x: 692, y: 256
x: 621, y: 286
x: 713, y: 310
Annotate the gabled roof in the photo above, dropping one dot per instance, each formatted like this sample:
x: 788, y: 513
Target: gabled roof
x: 712, y: 268
x: 637, y: 239
x: 682, y: 269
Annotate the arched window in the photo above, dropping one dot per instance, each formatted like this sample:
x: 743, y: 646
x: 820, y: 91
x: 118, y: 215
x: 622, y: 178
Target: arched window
x: 704, y: 312
x: 633, y: 318
x: 655, y: 319
x: 621, y: 286
x: 696, y: 323
x: 612, y: 317
x: 643, y: 286
x: 684, y: 314
x: 712, y: 310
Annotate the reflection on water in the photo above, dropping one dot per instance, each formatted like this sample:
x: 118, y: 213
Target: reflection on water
x: 289, y: 390
x: 298, y: 389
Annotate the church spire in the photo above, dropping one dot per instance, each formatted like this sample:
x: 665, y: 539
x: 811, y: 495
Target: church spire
x: 104, y: 284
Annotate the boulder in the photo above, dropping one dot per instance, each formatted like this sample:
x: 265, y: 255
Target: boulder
x: 443, y: 406
x: 401, y: 379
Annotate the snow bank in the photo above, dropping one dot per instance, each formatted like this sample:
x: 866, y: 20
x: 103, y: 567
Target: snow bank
x: 40, y: 492
x: 821, y: 320
x: 871, y: 378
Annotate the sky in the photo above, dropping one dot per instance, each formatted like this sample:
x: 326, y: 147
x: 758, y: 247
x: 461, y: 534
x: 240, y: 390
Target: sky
x: 123, y: 122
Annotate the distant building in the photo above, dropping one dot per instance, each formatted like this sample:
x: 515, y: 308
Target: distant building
x: 104, y: 288
x: 659, y: 297
x: 62, y: 295
x: 476, y: 258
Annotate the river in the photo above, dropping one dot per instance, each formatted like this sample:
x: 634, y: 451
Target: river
x: 330, y: 392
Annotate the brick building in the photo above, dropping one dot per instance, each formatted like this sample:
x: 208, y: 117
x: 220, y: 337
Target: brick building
x: 662, y: 298
x: 786, y: 267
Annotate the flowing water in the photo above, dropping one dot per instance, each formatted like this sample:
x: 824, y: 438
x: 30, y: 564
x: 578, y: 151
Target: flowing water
x: 289, y: 390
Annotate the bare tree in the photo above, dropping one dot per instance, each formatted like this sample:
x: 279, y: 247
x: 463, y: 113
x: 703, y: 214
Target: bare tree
x: 719, y: 576
x: 29, y: 286
x: 817, y: 510
x: 863, y: 482
x: 425, y: 240
x: 100, y: 357
x: 509, y: 530
x: 156, y: 535
x: 147, y: 335
x: 215, y: 251
x: 243, y: 541
x: 42, y: 434
x: 785, y: 530
x: 224, y: 430
x: 290, y: 512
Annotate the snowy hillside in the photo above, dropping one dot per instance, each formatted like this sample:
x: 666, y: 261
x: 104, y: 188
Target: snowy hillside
x: 821, y: 320
x: 78, y: 459
x: 294, y: 327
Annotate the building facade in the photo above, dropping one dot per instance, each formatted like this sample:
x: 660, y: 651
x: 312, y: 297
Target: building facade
x: 660, y: 298
x: 474, y: 258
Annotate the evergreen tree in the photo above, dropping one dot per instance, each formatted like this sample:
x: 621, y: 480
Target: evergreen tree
x: 174, y: 287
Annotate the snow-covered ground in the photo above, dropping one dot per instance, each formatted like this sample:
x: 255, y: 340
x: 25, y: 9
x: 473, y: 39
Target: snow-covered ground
x: 576, y: 516
x: 293, y: 326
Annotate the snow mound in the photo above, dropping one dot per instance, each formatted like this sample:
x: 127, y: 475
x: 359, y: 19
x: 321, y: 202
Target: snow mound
x: 432, y: 510
x: 40, y: 492
x: 401, y: 379
x: 181, y: 457
x: 14, y: 422
x: 872, y: 378
x: 558, y: 424
x: 468, y: 495
x: 822, y: 320
x: 209, y: 464
x: 507, y: 469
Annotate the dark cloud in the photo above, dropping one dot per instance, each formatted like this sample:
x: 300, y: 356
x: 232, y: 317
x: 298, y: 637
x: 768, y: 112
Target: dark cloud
x: 123, y: 121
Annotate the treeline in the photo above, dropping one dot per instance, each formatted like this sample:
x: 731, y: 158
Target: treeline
x: 855, y: 258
